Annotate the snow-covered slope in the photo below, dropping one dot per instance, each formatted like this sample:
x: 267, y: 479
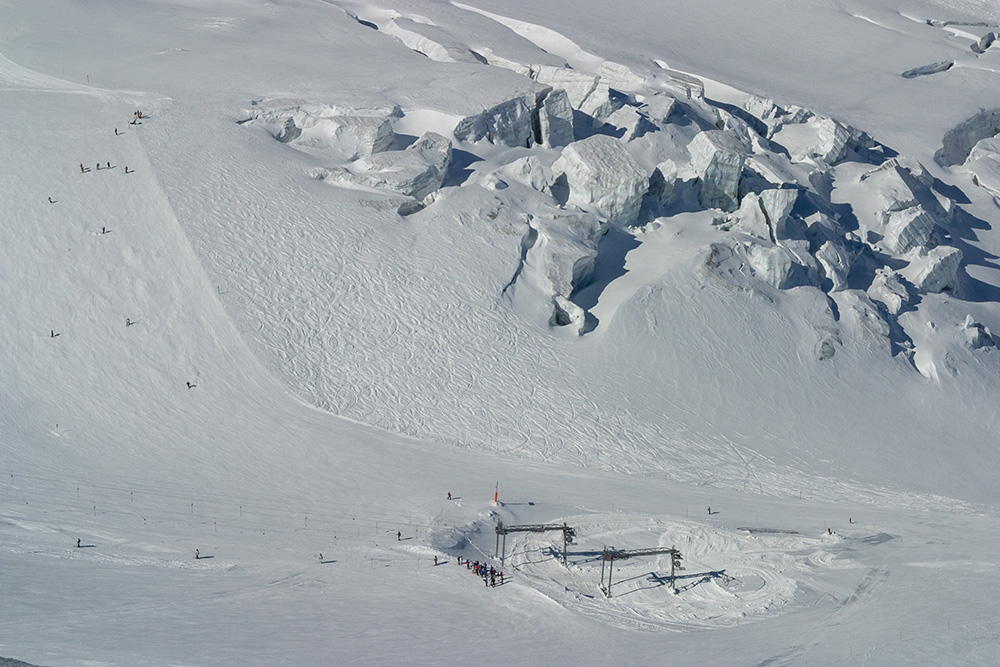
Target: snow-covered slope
x: 354, y: 265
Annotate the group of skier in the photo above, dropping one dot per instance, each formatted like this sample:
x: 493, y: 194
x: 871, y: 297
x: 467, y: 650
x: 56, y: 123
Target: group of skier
x: 489, y: 573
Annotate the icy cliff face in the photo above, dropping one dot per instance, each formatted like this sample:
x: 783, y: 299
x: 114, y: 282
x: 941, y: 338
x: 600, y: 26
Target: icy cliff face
x: 602, y: 176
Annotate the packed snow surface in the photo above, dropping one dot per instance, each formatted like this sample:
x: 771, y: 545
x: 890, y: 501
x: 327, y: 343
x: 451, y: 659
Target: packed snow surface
x: 364, y: 279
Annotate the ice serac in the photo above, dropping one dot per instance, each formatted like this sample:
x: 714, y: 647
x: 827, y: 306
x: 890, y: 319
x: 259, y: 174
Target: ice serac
x: 509, y: 123
x: 888, y: 289
x: 777, y: 206
x: 343, y: 133
x: 959, y: 141
x: 631, y: 122
x: 984, y: 165
x: 717, y: 158
x: 936, y: 271
x: 555, y: 120
x: 770, y: 263
x: 661, y: 184
x: 750, y: 218
x: 529, y: 171
x: 601, y: 175
x: 567, y: 247
x: 908, y: 229
x: 835, y: 264
x: 416, y: 171
x: 587, y: 92
x: 975, y: 335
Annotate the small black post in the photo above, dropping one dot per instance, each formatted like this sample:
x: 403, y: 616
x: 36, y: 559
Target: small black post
x: 603, y: 560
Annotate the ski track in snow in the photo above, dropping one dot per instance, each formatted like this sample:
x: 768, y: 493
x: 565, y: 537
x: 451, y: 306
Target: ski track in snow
x: 380, y: 333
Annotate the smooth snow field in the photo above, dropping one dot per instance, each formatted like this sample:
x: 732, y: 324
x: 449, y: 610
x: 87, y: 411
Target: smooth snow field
x: 716, y: 277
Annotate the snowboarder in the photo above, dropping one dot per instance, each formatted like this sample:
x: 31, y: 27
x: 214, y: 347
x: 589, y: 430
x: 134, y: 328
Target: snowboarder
x: 78, y: 545
x: 399, y: 536
x: 197, y: 554
x: 128, y: 322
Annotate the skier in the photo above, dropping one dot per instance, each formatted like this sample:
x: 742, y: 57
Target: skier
x: 493, y: 581
x: 501, y: 577
x: 126, y: 169
x: 81, y: 168
x: 449, y: 493
x: 51, y: 201
x: 435, y: 561
x: 321, y: 558
x: 191, y: 386
x: 78, y: 545
x: 104, y: 230
x: 128, y: 322
x: 116, y: 131
x: 197, y: 554
x: 52, y: 333
x: 109, y: 165
x: 399, y: 536
x: 710, y: 510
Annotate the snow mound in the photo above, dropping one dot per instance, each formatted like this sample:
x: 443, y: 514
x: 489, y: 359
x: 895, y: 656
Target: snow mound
x: 603, y: 176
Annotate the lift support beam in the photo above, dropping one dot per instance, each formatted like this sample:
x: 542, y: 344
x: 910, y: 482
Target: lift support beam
x: 610, y: 555
x: 568, y: 535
